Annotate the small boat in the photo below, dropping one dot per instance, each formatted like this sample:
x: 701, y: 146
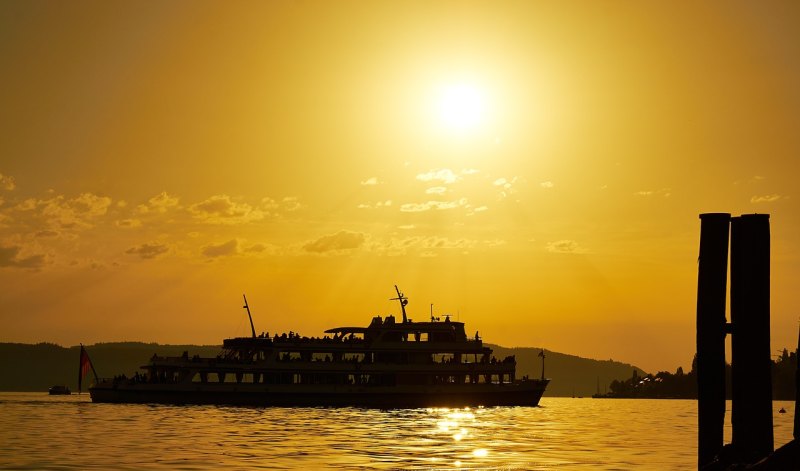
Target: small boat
x: 390, y: 363
x: 59, y: 390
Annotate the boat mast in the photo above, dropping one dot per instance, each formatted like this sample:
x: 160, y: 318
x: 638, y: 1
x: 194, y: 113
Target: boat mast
x: 252, y: 328
x: 403, y: 301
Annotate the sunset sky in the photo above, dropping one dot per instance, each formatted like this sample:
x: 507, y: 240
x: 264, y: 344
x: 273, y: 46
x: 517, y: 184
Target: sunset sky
x: 535, y: 169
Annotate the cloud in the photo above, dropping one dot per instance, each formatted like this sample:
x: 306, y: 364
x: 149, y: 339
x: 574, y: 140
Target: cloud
x: 379, y: 204
x: 446, y: 243
x: 444, y: 175
x: 419, y: 207
x: 7, y: 182
x: 128, y: 223
x: 89, y: 204
x: 46, y: 233
x: 269, y: 206
x: 342, y: 240
x: 547, y: 184
x: 9, y: 257
x: 221, y: 209
x: 436, y: 190
x: 766, y: 198
x: 665, y: 192
x: 224, y: 249
x: 291, y: 203
x: 148, y: 251
x: 507, y: 187
x: 160, y: 203
x: 28, y: 204
x: 427, y: 246
x: 564, y: 246
x: 256, y: 248
x: 71, y: 213
x: 372, y: 181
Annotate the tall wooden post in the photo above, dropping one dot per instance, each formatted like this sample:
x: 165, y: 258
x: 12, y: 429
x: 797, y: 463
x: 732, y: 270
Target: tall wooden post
x: 797, y: 391
x: 751, y: 417
x: 712, y: 277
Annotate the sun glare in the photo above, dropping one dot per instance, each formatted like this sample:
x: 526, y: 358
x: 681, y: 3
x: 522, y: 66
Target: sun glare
x: 461, y: 107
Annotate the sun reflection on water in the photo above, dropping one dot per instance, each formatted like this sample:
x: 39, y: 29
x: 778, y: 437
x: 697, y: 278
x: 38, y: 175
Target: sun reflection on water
x: 563, y: 433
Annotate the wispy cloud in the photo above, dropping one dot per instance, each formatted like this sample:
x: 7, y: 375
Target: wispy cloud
x: 663, y: 192
x: 547, y: 184
x: 766, y: 198
x: 10, y: 257
x: 128, y: 223
x: 160, y: 203
x: 436, y: 190
x: 148, y: 251
x: 502, y: 182
x: 7, y: 182
x: 506, y: 187
x: 428, y: 246
x: 338, y: 242
x: 73, y: 213
x: 419, y: 207
x: 444, y: 175
x: 224, y: 249
x: 379, y: 204
x: 372, y: 181
x: 222, y: 209
x: 46, y: 234
x: 256, y: 248
x: 565, y: 246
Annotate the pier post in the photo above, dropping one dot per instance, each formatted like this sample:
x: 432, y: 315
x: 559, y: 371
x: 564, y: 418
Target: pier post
x: 796, y: 432
x: 712, y: 280
x: 751, y: 417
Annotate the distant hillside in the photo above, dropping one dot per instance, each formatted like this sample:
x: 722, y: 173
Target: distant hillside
x: 26, y: 367
x: 569, y: 374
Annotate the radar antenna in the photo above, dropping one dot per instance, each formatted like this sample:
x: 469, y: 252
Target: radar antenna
x: 541, y: 354
x: 252, y: 328
x: 403, y: 301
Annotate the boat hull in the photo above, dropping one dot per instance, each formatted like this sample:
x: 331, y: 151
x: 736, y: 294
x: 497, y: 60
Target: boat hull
x: 524, y: 393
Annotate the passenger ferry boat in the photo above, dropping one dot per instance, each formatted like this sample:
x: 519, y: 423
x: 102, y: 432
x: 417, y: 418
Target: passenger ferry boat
x: 388, y: 364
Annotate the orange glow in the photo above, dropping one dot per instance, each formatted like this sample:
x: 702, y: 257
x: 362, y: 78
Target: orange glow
x: 535, y: 170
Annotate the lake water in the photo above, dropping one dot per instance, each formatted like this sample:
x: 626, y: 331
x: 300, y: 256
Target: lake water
x: 44, y: 432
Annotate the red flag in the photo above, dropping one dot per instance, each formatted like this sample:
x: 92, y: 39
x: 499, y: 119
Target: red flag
x: 84, y: 366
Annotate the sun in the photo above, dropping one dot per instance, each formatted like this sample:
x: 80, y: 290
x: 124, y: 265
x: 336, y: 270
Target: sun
x: 461, y: 107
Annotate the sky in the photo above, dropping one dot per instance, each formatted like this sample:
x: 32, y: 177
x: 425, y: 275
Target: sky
x: 534, y: 169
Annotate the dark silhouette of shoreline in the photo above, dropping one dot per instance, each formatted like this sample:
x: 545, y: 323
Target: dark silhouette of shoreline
x: 36, y: 367
x: 680, y: 385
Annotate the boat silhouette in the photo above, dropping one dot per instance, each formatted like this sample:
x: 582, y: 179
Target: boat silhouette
x: 389, y: 363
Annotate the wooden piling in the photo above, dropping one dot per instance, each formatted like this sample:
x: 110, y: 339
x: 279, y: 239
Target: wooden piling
x: 751, y: 417
x: 711, y: 325
x: 796, y: 432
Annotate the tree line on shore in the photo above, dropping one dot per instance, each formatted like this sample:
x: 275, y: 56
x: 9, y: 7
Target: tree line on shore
x: 680, y: 385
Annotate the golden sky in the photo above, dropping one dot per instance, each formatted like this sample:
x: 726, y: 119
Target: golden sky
x: 535, y: 169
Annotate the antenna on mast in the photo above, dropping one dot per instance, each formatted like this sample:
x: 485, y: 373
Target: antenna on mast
x: 403, y: 301
x: 252, y: 328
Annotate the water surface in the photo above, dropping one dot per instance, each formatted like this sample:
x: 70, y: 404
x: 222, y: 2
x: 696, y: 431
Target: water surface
x: 44, y: 432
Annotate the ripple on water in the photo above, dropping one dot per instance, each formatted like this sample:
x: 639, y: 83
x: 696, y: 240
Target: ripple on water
x: 44, y: 432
